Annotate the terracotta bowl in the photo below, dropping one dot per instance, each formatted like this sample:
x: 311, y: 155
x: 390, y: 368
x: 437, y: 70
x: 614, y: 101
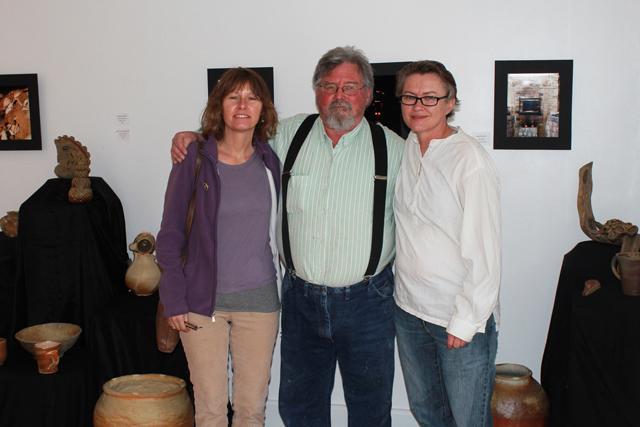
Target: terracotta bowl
x: 64, y: 333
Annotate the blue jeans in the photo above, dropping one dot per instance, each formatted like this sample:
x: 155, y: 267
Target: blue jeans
x: 352, y: 326
x: 446, y: 387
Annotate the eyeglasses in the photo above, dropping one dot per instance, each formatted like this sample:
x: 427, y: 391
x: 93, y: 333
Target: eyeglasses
x: 332, y: 88
x: 427, y: 101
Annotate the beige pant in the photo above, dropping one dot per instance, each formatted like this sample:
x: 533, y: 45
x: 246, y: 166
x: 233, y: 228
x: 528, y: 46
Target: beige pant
x: 249, y: 338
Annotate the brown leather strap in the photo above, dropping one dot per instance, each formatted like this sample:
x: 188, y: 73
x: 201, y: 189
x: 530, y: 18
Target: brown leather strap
x: 192, y: 203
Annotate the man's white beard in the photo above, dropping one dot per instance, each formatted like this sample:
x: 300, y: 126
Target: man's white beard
x: 340, y: 116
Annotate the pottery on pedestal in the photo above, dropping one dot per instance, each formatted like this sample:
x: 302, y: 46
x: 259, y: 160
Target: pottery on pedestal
x: 144, y: 400
x: 518, y: 400
x: 47, y: 355
x: 626, y: 267
x: 3, y: 350
x: 143, y: 275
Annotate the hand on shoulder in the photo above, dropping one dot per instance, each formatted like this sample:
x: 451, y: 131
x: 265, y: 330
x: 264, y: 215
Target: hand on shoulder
x: 179, y: 144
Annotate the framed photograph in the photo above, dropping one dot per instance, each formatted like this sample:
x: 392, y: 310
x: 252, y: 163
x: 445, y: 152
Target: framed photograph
x: 19, y: 112
x: 532, y: 105
x: 384, y: 107
x: 214, y: 74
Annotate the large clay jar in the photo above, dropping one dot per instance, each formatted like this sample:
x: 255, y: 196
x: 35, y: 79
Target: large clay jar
x: 518, y: 400
x: 144, y: 400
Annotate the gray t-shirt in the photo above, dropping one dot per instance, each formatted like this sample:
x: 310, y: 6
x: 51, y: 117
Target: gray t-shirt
x: 246, y: 274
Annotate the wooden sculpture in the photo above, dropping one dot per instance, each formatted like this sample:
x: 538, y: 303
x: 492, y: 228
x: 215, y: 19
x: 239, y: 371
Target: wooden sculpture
x: 625, y: 265
x: 613, y: 231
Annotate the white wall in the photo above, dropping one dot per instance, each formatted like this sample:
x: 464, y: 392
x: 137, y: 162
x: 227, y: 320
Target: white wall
x: 148, y: 58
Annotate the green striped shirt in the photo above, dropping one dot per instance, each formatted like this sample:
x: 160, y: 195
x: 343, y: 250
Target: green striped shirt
x: 330, y: 202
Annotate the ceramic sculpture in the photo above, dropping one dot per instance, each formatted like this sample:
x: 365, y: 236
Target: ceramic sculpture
x: 73, y: 162
x: 143, y: 275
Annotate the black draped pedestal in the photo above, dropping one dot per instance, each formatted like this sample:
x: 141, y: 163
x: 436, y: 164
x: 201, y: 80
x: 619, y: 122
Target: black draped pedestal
x: 71, y: 257
x: 122, y: 341
x: 69, y: 263
x: 591, y: 363
x: 7, y: 282
x: 30, y: 399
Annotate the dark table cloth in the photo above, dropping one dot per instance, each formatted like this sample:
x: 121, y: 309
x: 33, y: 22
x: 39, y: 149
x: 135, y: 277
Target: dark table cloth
x: 30, y: 399
x: 591, y: 362
x: 70, y: 263
x: 7, y: 282
x: 71, y: 257
x: 122, y: 341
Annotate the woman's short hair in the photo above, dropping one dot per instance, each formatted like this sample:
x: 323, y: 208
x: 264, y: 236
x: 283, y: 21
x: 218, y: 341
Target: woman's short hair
x: 212, y: 119
x: 427, y: 67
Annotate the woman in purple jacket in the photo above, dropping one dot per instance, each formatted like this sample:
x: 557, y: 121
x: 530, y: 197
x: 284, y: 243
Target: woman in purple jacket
x: 219, y: 283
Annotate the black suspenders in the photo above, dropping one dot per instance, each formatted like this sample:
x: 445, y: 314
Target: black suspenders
x: 292, y: 153
x: 379, y: 191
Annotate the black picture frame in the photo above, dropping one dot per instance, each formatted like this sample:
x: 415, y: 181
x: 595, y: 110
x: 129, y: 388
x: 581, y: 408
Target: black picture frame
x: 19, y: 112
x: 214, y: 74
x: 384, y: 107
x: 532, y: 105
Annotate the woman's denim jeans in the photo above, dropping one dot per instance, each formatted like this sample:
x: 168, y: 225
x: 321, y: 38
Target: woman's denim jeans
x: 446, y: 387
x: 351, y: 326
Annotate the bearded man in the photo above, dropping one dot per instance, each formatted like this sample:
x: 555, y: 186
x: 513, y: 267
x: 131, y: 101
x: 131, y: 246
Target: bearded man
x: 336, y: 240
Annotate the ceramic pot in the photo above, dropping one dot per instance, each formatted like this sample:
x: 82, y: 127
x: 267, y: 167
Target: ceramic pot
x: 47, y: 355
x: 144, y: 400
x: 518, y: 400
x: 626, y: 267
x: 3, y: 350
x: 143, y: 275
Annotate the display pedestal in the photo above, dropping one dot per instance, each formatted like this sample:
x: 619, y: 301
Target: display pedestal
x: 7, y: 282
x: 63, y: 399
x: 71, y: 257
x: 122, y: 341
x: 69, y: 262
x: 590, y: 368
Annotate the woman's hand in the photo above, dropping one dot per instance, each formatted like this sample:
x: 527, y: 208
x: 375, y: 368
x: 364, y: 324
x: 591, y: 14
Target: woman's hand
x: 179, y: 144
x: 455, y: 342
x: 178, y: 322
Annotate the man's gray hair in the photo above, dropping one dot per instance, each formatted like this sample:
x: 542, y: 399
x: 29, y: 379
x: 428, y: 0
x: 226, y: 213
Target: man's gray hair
x: 340, y: 55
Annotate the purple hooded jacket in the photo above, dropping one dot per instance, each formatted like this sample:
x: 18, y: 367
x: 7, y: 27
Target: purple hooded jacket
x: 192, y: 286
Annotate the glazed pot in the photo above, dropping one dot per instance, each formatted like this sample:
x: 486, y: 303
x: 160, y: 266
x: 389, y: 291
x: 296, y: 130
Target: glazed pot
x: 144, y: 400
x: 518, y: 400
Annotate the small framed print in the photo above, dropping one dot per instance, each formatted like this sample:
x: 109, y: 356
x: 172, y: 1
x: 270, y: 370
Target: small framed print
x: 532, y: 105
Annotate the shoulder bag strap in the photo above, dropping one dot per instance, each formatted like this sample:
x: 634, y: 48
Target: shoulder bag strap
x: 192, y: 202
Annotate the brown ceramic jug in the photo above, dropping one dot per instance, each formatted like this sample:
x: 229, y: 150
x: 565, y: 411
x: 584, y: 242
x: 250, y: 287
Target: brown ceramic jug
x: 143, y: 275
x: 626, y: 267
x: 144, y: 400
x: 518, y: 400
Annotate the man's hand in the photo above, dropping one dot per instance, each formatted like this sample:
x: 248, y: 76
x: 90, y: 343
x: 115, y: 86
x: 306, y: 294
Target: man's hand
x: 179, y: 144
x: 455, y: 342
x: 178, y: 322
